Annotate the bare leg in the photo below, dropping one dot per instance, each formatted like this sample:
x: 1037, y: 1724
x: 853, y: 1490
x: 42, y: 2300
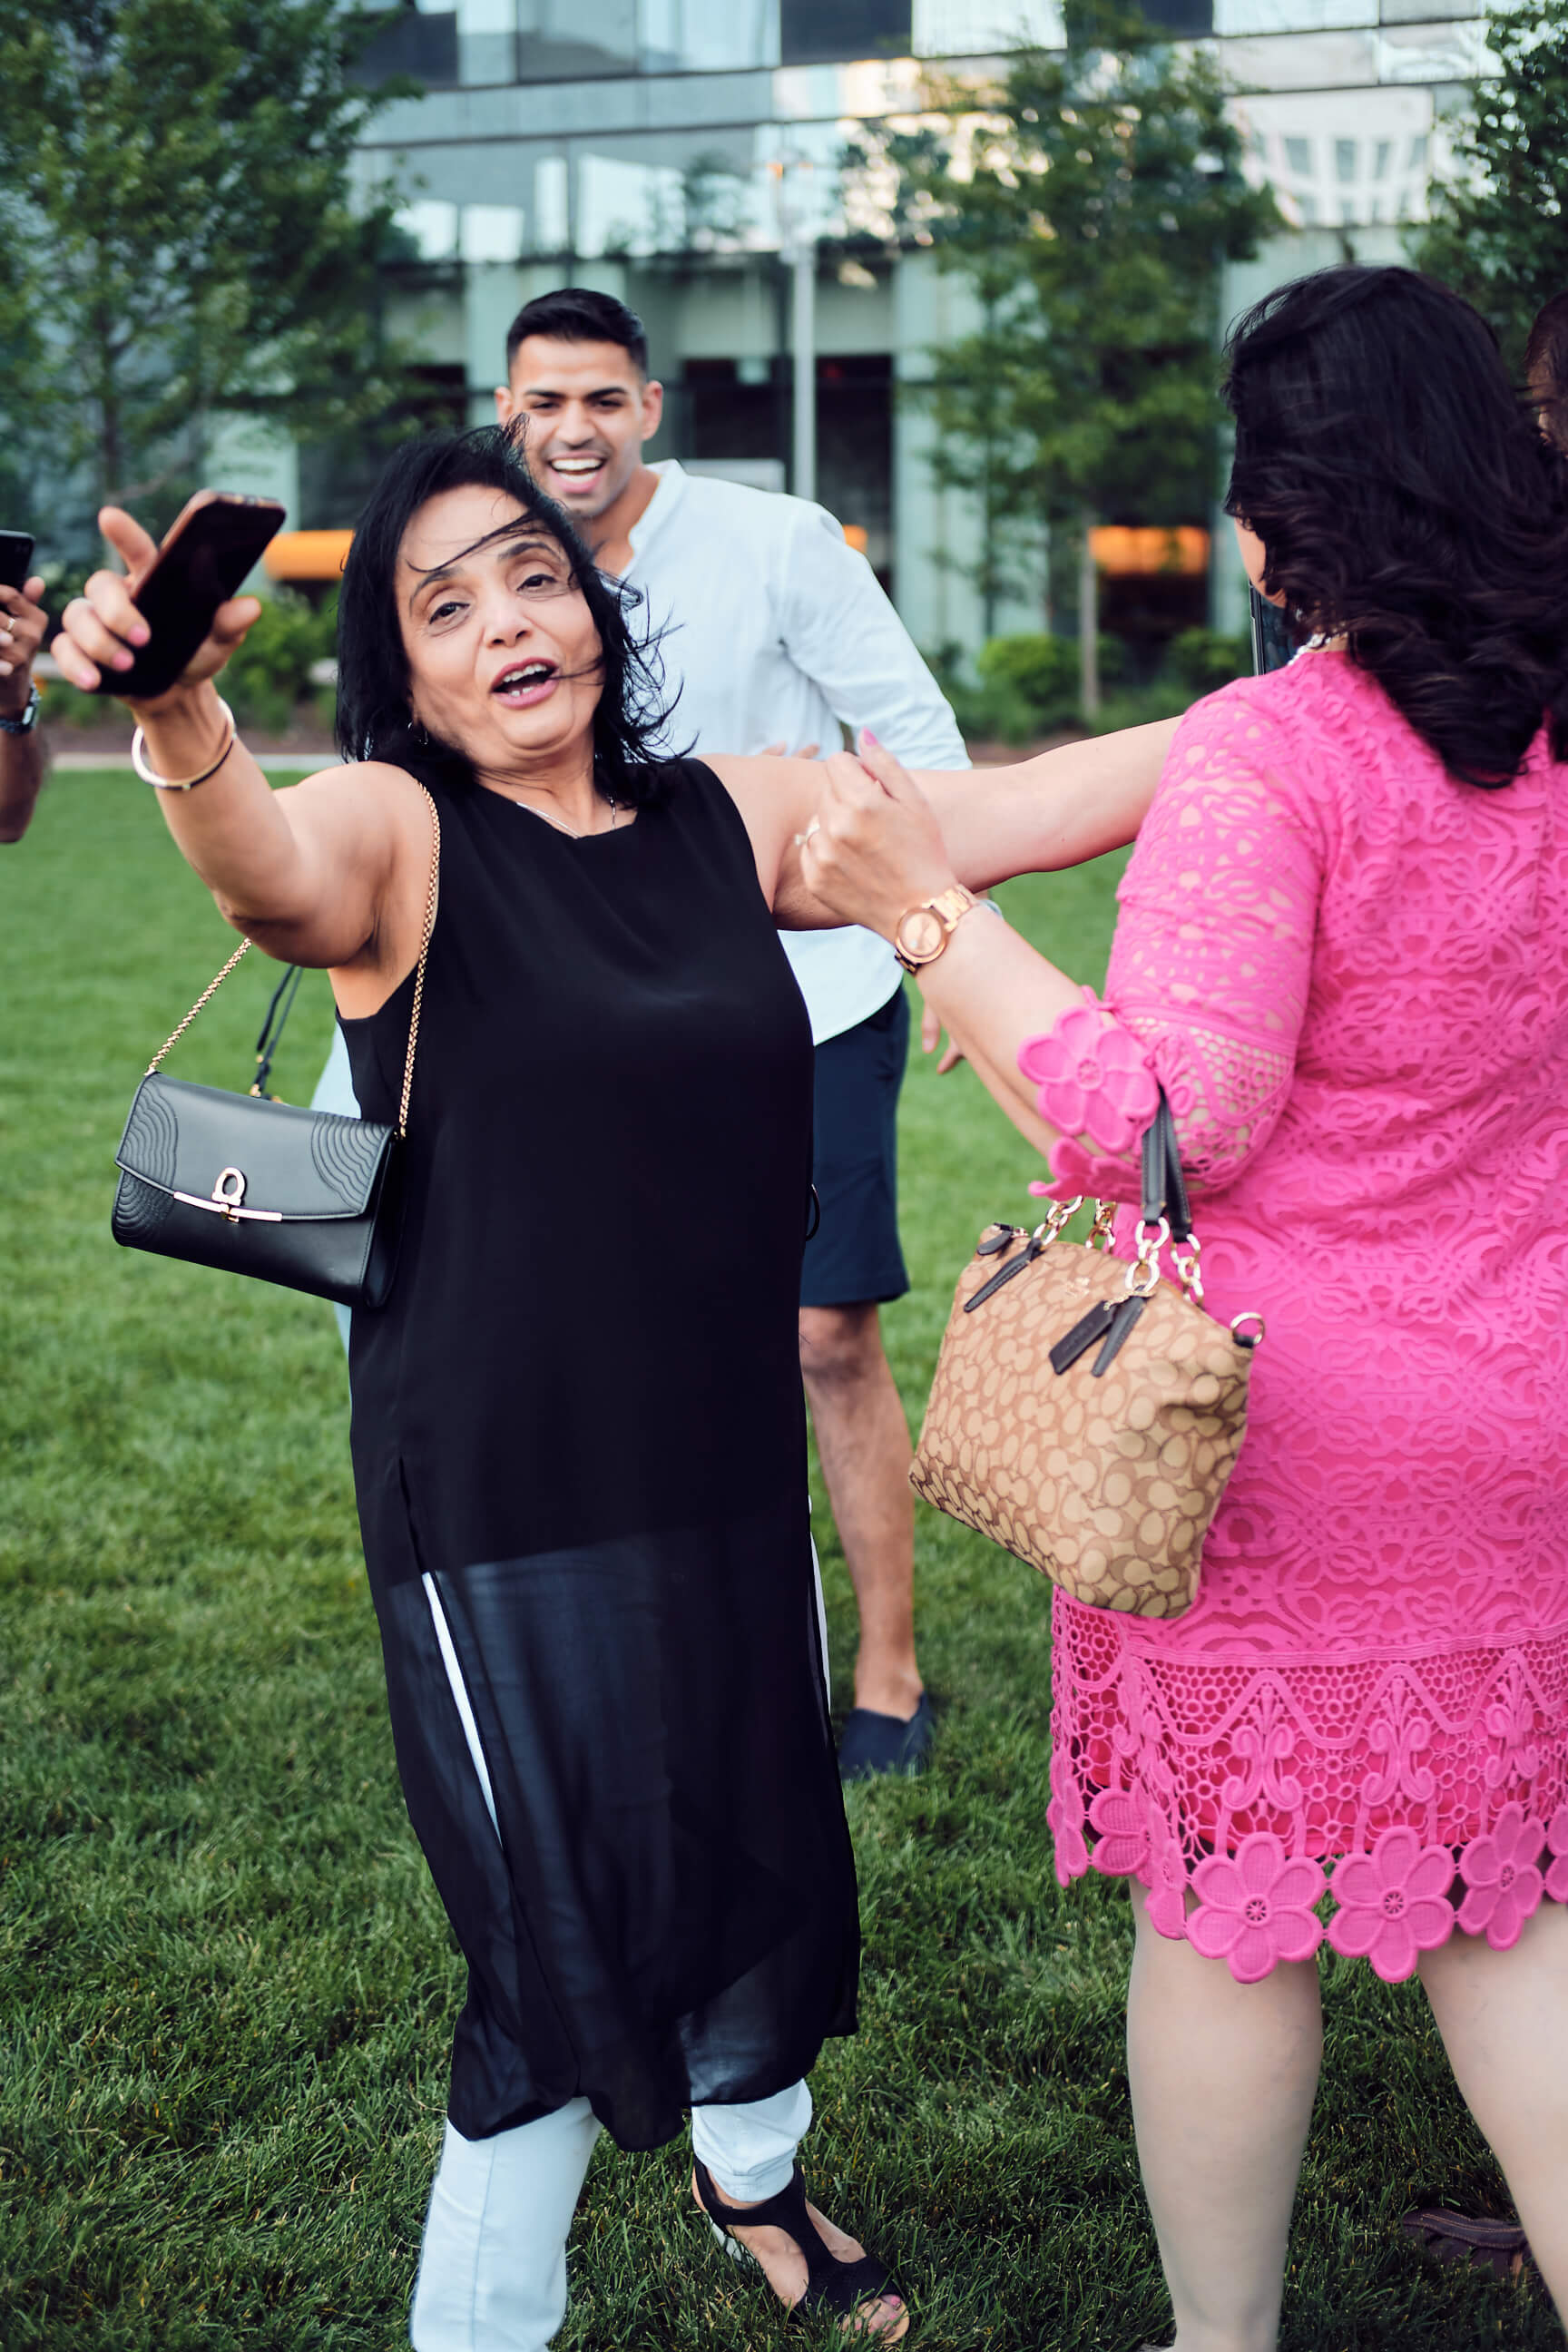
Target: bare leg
x: 1503, y: 2017
x: 1223, y: 2077
x: 864, y: 1442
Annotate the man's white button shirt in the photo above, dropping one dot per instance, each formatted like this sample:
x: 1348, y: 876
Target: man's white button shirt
x: 775, y: 630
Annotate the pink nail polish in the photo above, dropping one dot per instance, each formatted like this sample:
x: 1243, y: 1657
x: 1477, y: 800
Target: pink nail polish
x: 866, y: 737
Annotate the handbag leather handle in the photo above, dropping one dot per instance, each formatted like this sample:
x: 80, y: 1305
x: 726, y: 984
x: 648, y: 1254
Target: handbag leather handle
x: 431, y: 901
x: 1164, y: 1186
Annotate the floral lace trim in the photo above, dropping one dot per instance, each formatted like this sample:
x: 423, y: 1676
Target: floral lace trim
x: 1254, y: 1895
x: 1257, y: 1906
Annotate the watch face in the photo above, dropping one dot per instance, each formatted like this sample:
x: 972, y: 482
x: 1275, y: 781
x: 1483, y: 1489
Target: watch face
x: 921, y: 934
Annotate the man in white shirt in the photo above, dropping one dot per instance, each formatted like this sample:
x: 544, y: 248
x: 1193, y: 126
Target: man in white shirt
x: 776, y: 631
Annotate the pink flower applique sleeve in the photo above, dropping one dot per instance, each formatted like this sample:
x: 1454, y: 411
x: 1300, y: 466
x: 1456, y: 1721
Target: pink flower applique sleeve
x: 1209, y: 967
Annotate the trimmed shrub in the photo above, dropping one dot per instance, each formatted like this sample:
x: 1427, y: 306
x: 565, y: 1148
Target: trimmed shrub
x: 1204, y: 659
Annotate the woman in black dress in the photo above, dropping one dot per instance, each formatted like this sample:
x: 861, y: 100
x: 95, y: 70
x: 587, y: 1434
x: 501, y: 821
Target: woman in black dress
x: 579, y: 1439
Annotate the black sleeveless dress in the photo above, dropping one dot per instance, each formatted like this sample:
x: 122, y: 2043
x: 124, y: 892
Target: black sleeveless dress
x: 580, y: 1417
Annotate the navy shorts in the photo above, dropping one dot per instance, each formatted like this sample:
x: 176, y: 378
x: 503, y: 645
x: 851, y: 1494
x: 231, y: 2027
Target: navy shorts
x: 854, y: 1257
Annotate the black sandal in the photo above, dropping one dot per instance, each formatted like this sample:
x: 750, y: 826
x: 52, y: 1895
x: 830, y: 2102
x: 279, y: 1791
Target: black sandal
x: 830, y: 2284
x: 1500, y: 2247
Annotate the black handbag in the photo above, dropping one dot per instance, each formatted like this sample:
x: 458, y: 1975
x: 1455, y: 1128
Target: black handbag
x: 253, y: 1186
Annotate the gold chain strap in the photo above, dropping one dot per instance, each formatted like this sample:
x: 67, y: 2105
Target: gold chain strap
x: 432, y: 898
x: 208, y: 992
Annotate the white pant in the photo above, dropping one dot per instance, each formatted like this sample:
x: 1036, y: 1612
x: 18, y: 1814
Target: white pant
x: 492, y: 2269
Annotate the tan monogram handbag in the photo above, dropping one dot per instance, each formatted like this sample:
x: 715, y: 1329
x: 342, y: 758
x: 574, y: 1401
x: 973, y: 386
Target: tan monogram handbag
x: 1086, y: 1412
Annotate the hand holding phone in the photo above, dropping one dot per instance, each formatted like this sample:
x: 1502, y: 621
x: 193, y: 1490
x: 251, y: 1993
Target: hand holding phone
x: 15, y: 554
x: 22, y: 620
x: 175, y: 614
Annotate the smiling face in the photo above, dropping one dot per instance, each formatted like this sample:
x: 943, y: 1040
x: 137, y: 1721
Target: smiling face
x: 589, y: 409
x: 504, y: 659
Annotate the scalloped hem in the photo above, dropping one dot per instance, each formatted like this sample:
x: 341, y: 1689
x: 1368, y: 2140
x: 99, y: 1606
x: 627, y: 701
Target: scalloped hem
x: 1258, y: 1904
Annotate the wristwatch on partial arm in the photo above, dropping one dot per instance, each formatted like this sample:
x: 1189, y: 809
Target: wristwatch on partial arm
x: 924, y: 930
x: 25, y: 719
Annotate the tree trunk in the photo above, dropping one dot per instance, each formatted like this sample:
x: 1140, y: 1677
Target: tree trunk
x: 1087, y: 620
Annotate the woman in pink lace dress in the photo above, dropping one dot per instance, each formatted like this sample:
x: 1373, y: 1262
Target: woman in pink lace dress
x: 1343, y: 951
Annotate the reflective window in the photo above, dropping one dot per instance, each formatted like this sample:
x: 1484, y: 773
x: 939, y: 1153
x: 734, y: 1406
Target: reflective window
x: 487, y: 40
x: 1194, y: 19
x: 1336, y: 141
x: 432, y: 226
x: 576, y: 40
x: 822, y: 32
x: 709, y: 35
x: 977, y: 29
x: 1292, y: 15
x: 673, y: 192
x: 490, y: 233
x: 420, y: 42
x: 551, y: 224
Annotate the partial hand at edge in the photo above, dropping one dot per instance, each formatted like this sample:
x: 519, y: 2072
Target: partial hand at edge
x: 931, y: 1038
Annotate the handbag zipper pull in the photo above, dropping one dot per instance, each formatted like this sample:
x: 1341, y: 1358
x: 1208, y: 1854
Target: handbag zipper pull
x: 1083, y: 1335
x: 1037, y: 1242
x: 998, y: 1237
x: 1124, y: 1316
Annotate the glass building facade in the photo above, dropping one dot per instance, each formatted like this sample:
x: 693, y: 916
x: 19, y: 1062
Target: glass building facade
x: 674, y: 151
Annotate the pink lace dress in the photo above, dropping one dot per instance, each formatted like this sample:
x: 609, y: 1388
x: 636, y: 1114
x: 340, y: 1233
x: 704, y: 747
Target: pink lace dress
x: 1350, y: 975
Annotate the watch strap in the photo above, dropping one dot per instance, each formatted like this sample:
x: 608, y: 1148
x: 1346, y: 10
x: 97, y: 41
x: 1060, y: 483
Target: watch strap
x: 26, y: 719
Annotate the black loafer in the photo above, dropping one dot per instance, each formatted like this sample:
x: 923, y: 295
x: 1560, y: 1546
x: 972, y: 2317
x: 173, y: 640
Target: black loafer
x: 874, y: 1744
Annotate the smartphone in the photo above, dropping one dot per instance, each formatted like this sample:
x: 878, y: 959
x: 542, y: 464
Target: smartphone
x: 1272, y: 644
x: 205, y: 557
x: 16, y: 555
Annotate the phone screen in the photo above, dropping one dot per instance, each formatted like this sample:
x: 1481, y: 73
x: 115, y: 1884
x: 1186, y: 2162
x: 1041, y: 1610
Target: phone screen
x: 15, y: 557
x: 1272, y: 644
x: 203, y: 562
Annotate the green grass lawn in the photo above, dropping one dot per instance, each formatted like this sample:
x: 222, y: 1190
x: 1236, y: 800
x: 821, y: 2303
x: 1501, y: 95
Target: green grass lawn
x: 227, y: 1988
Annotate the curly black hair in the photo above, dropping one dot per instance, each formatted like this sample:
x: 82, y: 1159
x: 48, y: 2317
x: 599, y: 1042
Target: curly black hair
x: 373, y: 718
x: 1405, y: 498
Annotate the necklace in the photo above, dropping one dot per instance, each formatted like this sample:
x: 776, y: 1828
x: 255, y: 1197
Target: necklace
x: 559, y: 824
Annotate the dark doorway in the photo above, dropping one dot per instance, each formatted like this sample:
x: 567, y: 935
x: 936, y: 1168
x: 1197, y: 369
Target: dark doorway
x: 718, y: 416
x: 854, y: 450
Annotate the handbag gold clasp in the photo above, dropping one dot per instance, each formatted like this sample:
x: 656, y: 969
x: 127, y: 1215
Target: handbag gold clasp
x: 229, y: 1191
x: 227, y: 1200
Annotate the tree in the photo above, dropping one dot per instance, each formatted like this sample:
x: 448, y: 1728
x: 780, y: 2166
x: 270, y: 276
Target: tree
x: 180, y: 238
x: 1091, y: 200
x: 1499, y: 233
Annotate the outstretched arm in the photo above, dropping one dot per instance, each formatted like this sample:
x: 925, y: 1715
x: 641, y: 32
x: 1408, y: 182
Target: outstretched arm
x: 1040, y: 815
x: 330, y: 872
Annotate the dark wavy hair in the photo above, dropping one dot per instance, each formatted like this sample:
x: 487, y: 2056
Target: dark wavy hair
x: 1405, y: 498
x: 373, y: 718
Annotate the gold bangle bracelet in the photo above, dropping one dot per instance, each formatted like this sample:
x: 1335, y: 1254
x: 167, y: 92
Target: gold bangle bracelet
x: 182, y: 784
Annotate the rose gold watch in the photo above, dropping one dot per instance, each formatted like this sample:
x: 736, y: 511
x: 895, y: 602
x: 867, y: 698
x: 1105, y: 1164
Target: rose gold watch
x: 923, y: 932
